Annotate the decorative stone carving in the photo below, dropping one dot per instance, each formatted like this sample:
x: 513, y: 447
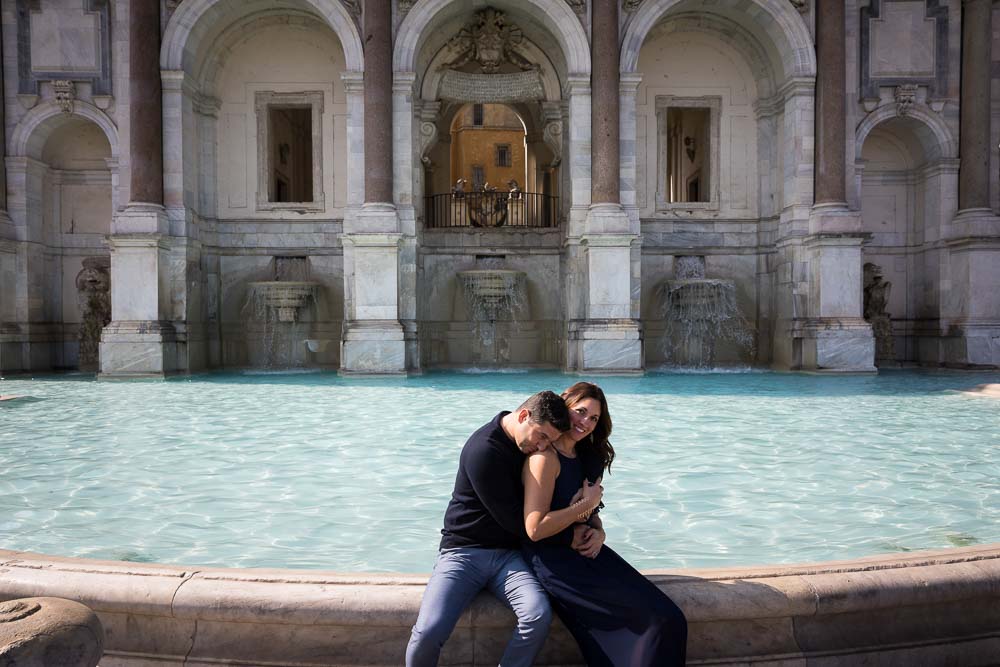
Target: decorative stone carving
x: 552, y: 135
x: 801, y: 5
x: 171, y: 6
x: 353, y: 8
x: 65, y: 94
x: 876, y: 300
x: 631, y: 5
x: 428, y: 137
x: 492, y: 88
x: 489, y: 40
x: 93, y: 286
x: 578, y: 6
x: 404, y: 6
x: 906, y: 96
x: 885, y: 24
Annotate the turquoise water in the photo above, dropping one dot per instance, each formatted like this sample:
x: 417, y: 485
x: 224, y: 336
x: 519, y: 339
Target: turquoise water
x: 318, y: 471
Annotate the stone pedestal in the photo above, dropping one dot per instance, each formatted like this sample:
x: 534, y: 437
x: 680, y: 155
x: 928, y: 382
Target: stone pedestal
x: 834, y: 336
x: 43, y: 632
x: 373, y: 337
x: 140, y: 341
x: 970, y: 308
x: 609, y: 339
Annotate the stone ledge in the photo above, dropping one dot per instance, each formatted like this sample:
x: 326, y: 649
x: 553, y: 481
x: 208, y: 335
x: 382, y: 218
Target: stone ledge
x: 925, y: 607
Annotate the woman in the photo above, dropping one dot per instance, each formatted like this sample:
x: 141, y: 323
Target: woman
x: 617, y: 616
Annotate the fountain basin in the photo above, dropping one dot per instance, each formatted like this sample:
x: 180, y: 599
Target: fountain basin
x: 936, y: 607
x: 285, y: 297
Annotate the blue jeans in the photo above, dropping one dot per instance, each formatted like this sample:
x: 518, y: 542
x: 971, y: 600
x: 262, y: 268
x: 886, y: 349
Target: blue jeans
x: 459, y: 574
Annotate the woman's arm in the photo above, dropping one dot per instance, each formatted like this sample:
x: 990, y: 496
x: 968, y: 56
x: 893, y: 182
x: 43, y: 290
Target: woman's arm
x: 540, y: 472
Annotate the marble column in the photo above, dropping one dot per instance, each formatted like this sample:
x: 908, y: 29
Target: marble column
x: 970, y: 299
x: 833, y: 334
x: 378, y: 101
x: 604, y: 115
x: 141, y: 340
x: 608, y: 339
x: 974, y: 174
x: 373, y: 340
x: 11, y: 350
x: 831, y: 108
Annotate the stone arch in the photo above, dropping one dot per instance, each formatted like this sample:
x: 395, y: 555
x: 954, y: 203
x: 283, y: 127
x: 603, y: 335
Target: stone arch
x: 557, y: 17
x: 191, y: 20
x: 737, y: 36
x: 215, y: 56
x: 936, y: 138
x: 33, y: 130
x: 788, y: 33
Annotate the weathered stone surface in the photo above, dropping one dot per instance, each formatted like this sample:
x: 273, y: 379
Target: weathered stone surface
x: 46, y: 632
x: 935, y: 607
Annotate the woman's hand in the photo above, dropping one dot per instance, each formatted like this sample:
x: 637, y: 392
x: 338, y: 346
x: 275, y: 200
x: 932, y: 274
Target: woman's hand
x: 588, y: 540
x: 586, y: 500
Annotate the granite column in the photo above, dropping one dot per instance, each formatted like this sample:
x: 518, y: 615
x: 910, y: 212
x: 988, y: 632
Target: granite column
x: 970, y: 302
x: 11, y: 350
x: 373, y: 336
x: 974, y: 169
x: 140, y: 340
x: 833, y: 334
x: 608, y: 339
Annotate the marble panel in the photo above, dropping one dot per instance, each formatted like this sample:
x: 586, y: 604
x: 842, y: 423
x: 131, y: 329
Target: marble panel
x: 376, y: 283
x: 135, y: 281
x: 845, y: 353
x: 610, y: 355
x: 609, y: 282
x: 373, y: 355
x: 902, y: 41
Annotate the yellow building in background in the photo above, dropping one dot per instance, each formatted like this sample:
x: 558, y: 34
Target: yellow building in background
x: 487, y: 146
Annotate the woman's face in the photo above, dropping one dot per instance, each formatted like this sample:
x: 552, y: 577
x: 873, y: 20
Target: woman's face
x: 583, y: 417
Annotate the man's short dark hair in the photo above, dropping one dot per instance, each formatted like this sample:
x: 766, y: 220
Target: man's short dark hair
x: 547, y: 406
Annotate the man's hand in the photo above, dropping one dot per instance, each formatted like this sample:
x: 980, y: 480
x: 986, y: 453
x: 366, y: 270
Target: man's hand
x: 587, y: 540
x: 579, y: 534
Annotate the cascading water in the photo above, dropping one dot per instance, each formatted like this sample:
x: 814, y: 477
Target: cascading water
x: 699, y: 312
x: 279, y: 305
x: 492, y: 295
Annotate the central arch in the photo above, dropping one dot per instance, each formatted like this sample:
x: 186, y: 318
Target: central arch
x: 557, y: 17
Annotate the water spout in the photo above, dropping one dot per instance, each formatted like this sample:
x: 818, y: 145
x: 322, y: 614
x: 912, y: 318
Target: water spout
x: 699, y: 312
x: 492, y: 295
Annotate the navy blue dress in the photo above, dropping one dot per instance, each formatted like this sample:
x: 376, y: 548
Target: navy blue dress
x: 617, y: 616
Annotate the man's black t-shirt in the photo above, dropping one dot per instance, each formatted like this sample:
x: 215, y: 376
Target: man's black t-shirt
x: 487, y: 505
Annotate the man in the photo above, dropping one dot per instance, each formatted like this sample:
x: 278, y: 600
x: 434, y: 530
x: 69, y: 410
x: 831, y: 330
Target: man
x: 483, y: 529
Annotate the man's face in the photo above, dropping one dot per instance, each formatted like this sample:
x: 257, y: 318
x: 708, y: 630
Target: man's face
x: 531, y: 436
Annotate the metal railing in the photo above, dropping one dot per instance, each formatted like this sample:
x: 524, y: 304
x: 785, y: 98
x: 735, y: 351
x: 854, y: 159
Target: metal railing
x: 491, y: 209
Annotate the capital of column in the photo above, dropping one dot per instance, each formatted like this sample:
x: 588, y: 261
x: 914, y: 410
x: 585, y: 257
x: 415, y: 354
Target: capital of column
x: 578, y: 84
x: 629, y: 83
x: 402, y: 82
x: 354, y: 81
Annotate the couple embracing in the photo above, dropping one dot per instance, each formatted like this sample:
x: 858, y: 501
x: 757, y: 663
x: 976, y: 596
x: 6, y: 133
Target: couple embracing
x: 524, y: 522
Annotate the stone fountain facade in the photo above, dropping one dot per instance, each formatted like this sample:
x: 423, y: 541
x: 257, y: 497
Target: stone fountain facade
x: 875, y: 145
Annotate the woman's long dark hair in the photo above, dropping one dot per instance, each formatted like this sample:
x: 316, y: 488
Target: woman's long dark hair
x: 598, y: 440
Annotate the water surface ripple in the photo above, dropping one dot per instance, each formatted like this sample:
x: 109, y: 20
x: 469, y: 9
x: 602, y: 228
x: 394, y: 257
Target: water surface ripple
x: 351, y: 474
